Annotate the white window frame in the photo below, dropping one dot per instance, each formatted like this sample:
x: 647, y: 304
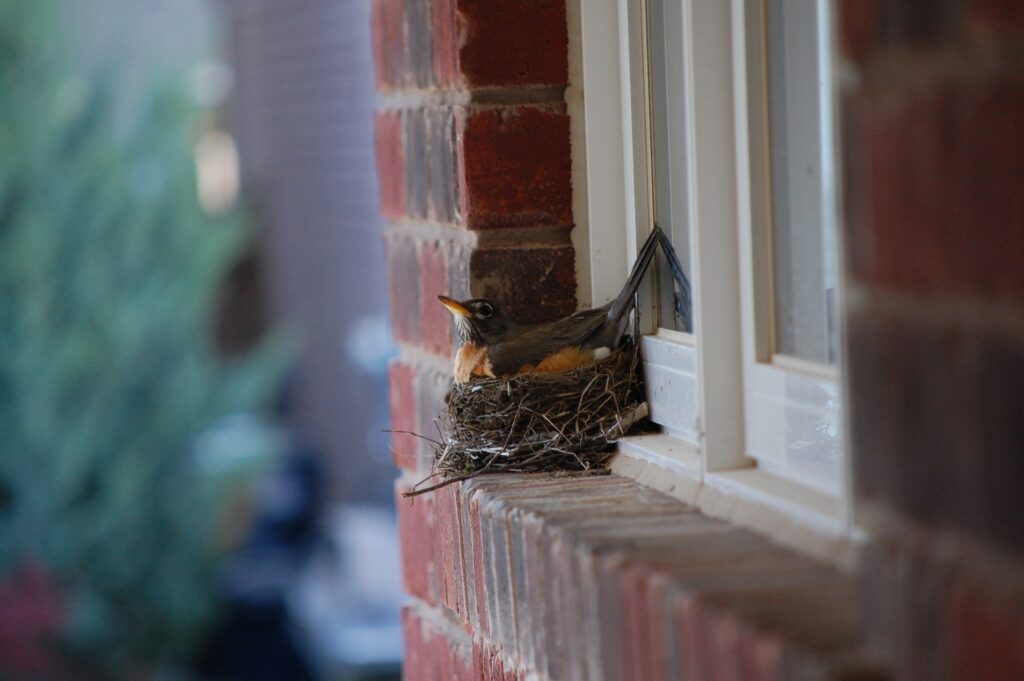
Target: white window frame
x: 785, y: 396
x: 745, y: 404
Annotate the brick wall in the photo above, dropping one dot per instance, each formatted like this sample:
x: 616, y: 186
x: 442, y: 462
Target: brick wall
x: 473, y: 157
x: 933, y: 133
x: 602, y: 579
x: 534, y: 577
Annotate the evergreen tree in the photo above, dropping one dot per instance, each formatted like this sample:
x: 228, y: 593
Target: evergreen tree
x: 108, y: 273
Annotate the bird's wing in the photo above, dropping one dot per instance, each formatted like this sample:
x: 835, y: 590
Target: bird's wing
x: 601, y: 326
x: 535, y: 343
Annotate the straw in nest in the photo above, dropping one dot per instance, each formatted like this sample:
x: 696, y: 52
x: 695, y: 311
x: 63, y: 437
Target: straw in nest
x: 532, y: 422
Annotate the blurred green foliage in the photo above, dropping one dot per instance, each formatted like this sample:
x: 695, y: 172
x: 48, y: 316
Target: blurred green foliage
x: 108, y: 275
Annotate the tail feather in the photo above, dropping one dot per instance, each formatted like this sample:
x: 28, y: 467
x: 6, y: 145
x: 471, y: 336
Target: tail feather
x: 682, y: 297
x: 624, y: 301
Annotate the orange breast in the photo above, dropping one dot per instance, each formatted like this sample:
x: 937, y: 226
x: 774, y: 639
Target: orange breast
x: 471, y: 360
x: 563, y: 360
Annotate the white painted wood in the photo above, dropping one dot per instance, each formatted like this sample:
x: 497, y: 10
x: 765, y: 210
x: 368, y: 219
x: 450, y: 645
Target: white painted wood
x: 753, y: 195
x: 619, y: 191
x: 665, y: 451
x: 712, y: 177
x: 846, y: 508
x: 793, y: 414
x: 608, y: 206
x: 748, y: 402
x: 670, y: 373
x: 803, y: 366
x: 792, y: 514
x: 577, y: 133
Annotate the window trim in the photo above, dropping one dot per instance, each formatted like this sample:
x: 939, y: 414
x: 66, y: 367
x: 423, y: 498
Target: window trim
x: 718, y: 138
x: 772, y: 380
x: 673, y: 391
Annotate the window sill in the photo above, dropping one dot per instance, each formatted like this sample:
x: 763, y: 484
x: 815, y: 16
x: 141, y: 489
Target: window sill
x: 791, y: 514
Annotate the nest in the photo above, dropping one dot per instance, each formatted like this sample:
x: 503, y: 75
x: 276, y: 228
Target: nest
x: 565, y: 421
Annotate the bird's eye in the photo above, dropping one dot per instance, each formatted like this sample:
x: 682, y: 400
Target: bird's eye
x: 485, y: 310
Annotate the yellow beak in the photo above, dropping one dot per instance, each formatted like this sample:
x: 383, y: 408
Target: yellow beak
x: 454, y: 306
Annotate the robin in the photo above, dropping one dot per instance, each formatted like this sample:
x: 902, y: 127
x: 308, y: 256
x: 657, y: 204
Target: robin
x: 493, y: 345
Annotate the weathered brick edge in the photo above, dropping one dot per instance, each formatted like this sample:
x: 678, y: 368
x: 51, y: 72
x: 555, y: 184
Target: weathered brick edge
x: 600, y: 578
x: 933, y: 129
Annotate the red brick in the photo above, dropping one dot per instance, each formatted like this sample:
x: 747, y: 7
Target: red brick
x: 470, y: 616
x: 388, y: 43
x: 487, y: 664
x: 495, y: 669
x: 604, y: 573
x: 662, y: 648
x: 476, y: 550
x: 444, y: 197
x: 447, y: 32
x: 858, y: 26
x: 433, y: 651
x: 693, y: 644
x: 513, y: 42
x: 628, y: 609
x: 435, y: 320
x: 415, y: 655
x: 500, y: 43
x: 522, y: 614
x: 516, y: 167
x: 991, y: 18
x: 418, y: 48
x: 532, y: 284
x: 868, y: 28
x: 570, y: 595
x: 536, y: 592
x: 419, y: 160
x: 431, y: 180
x: 482, y: 655
x: 919, y: 24
x: 554, y: 620
x: 934, y: 189
x: 443, y: 652
x: 940, y: 406
x: 448, y: 546
x: 904, y: 607
x: 479, y: 653
x: 402, y: 408
x: 403, y: 288
x: 498, y: 589
x: 415, y: 534
x: 760, y: 656
x: 986, y: 637
x: 725, y: 648
x: 390, y: 163
x: 458, y: 271
x: 638, y: 625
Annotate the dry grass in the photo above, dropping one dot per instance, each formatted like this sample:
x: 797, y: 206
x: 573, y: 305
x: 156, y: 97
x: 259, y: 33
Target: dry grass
x: 539, y: 422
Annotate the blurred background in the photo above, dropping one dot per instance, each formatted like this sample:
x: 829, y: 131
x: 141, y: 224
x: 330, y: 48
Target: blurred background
x: 194, y: 481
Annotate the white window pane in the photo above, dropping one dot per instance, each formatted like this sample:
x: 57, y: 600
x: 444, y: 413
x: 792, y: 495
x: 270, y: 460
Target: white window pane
x: 668, y: 150
x: 803, y: 178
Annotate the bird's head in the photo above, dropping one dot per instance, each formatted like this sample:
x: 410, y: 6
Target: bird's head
x: 478, y: 320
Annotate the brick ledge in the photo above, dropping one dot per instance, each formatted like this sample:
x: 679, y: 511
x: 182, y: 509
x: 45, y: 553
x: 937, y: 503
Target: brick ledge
x: 604, y: 579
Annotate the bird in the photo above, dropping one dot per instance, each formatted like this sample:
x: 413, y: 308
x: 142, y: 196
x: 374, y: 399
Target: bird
x: 494, y: 346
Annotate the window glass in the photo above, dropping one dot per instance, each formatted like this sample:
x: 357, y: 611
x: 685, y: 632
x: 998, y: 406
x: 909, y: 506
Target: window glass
x: 668, y: 154
x: 802, y: 178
